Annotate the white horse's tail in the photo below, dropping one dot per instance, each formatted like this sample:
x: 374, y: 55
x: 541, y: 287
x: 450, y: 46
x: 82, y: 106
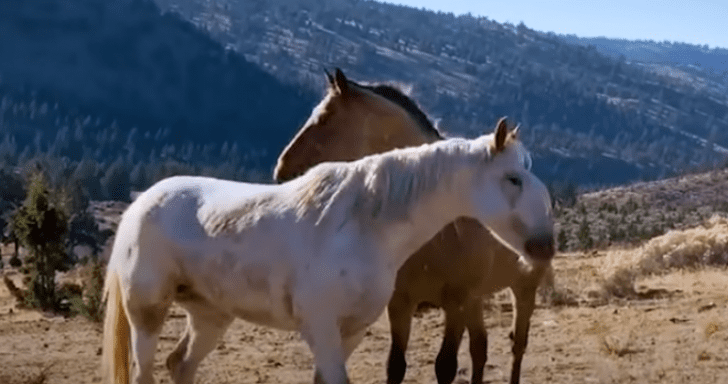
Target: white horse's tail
x: 115, y: 358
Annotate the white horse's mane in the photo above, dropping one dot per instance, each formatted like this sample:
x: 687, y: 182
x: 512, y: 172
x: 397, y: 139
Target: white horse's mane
x: 377, y: 187
x: 393, y: 183
x: 384, y: 186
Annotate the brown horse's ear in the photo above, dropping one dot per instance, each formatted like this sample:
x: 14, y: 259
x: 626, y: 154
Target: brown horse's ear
x: 340, y: 81
x: 501, y: 132
x: 329, y: 77
x: 514, y: 133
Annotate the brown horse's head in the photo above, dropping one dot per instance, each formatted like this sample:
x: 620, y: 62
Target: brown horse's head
x: 353, y: 121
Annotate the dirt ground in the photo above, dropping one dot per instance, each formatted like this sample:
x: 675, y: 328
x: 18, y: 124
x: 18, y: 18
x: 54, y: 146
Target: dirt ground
x: 679, y: 335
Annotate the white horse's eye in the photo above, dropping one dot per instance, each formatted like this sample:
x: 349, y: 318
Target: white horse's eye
x: 515, y: 180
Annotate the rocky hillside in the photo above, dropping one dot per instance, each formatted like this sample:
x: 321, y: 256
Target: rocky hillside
x: 638, y: 212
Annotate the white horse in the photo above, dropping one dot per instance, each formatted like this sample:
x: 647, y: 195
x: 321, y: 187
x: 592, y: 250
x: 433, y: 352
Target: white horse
x: 318, y: 254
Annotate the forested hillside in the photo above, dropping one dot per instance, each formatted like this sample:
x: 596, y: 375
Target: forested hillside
x: 107, y: 96
x: 590, y: 118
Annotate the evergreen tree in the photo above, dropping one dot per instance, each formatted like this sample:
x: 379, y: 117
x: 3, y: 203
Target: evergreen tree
x: 562, y: 239
x: 11, y: 195
x: 138, y: 177
x: 115, y: 183
x: 84, y: 230
x: 584, y: 233
x: 40, y: 225
x: 10, y: 237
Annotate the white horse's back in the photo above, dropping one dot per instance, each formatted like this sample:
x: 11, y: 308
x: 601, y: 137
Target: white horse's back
x: 204, y: 236
x: 179, y: 205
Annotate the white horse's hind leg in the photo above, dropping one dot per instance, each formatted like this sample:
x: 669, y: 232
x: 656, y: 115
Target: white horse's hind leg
x: 143, y: 346
x: 204, y: 329
x: 146, y: 325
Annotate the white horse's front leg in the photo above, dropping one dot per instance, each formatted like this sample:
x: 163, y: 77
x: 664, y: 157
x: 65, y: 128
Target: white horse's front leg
x: 349, y: 343
x: 325, y: 342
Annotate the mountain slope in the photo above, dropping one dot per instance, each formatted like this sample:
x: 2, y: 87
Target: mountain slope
x: 125, y: 60
x: 580, y: 107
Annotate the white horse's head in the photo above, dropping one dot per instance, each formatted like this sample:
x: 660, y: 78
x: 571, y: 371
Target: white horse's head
x: 510, y: 200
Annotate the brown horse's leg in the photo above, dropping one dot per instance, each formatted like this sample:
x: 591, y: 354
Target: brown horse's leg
x: 478, y: 338
x: 525, y: 298
x: 400, y: 311
x: 446, y: 364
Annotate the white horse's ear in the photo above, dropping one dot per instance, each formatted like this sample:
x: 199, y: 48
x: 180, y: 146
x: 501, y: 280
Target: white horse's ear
x: 501, y: 132
x: 341, y: 82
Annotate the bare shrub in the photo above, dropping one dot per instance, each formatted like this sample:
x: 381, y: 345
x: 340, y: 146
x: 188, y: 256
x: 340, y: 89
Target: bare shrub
x: 711, y: 328
x: 16, y: 292
x: 89, y: 304
x: 621, y: 283
x: 705, y: 245
x: 619, y: 345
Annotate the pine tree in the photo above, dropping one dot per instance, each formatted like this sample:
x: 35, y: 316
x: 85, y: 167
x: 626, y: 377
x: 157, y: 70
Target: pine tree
x: 41, y: 226
x: 115, y: 183
x: 562, y: 239
x: 84, y: 230
x: 584, y: 234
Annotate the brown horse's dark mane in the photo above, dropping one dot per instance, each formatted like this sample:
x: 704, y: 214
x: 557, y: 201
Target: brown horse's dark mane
x: 398, y: 97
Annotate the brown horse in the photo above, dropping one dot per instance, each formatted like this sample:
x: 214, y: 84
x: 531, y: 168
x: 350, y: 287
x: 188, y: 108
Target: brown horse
x: 355, y: 120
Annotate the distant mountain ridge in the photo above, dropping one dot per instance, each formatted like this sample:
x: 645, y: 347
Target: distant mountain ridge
x: 588, y: 117
x: 713, y: 61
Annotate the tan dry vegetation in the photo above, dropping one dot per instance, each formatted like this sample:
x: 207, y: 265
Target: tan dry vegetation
x: 671, y: 327
x: 705, y: 245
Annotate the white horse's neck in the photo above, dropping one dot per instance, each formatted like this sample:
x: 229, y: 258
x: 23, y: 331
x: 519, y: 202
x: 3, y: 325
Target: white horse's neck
x: 426, y: 217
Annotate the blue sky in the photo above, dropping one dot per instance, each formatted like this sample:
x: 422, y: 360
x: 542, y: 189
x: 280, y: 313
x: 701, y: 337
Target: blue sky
x: 690, y: 21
